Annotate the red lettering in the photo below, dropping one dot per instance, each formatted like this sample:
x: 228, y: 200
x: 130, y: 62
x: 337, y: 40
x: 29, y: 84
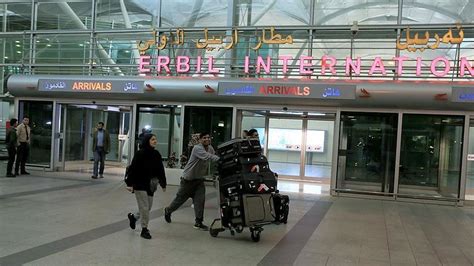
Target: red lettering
x: 263, y: 90
x: 277, y: 90
x: 299, y: 91
x: 270, y: 90
x: 306, y: 91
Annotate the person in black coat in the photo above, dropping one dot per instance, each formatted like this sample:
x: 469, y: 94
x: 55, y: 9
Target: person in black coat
x: 143, y: 176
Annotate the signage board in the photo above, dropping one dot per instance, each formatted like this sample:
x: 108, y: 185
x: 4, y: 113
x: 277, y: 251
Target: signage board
x: 285, y: 90
x: 84, y: 86
x: 462, y: 94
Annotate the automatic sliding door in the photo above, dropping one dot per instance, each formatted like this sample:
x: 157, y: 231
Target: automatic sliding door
x: 430, y: 155
x: 366, y: 158
x: 284, y: 146
x: 470, y: 164
x: 318, y: 152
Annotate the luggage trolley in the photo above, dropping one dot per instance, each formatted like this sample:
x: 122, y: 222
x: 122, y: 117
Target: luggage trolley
x: 247, y: 190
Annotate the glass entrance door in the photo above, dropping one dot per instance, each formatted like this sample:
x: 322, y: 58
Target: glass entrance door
x: 430, y: 155
x: 77, y: 126
x: 301, y: 147
x: 285, y: 141
x: 366, y: 158
x: 470, y: 164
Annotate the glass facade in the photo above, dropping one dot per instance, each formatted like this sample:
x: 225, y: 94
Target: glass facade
x: 99, y: 37
x: 102, y: 37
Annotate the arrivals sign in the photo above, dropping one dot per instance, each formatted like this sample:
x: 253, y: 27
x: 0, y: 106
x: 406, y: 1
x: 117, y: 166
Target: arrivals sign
x: 288, y: 90
x: 101, y: 86
x: 462, y: 94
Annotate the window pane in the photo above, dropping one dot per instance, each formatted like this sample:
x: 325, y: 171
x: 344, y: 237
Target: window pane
x: 18, y: 17
x: 72, y: 15
x: 133, y: 14
x: 54, y: 49
x: 274, y: 13
x: 437, y: 11
x: 190, y: 13
x: 339, y: 12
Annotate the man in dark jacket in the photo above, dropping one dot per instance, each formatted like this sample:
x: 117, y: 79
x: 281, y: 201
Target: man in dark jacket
x: 100, y: 147
x: 192, y: 182
x: 23, y: 133
x: 11, y: 141
x: 144, y: 174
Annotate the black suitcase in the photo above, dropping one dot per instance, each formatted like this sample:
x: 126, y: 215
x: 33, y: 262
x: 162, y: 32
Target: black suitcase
x: 237, y: 147
x: 281, y: 205
x: 251, y: 183
x: 231, y: 212
x: 243, y: 165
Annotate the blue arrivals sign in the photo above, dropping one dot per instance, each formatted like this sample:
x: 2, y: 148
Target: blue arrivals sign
x: 101, y: 86
x: 285, y: 90
x: 462, y: 94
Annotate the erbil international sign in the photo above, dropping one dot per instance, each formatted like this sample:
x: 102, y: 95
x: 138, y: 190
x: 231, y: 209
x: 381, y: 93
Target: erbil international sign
x: 306, y: 65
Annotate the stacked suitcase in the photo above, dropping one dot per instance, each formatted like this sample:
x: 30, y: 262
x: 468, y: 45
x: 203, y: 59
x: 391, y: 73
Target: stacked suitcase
x: 247, y: 186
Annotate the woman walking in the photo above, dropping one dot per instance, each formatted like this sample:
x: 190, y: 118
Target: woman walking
x: 144, y: 174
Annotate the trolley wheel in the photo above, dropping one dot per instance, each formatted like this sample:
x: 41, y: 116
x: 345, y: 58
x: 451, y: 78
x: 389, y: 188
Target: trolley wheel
x: 255, y: 234
x: 213, y: 232
x: 239, y: 229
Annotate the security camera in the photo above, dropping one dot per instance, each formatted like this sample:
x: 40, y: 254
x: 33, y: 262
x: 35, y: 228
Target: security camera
x: 285, y: 108
x: 354, y: 27
x: 93, y: 102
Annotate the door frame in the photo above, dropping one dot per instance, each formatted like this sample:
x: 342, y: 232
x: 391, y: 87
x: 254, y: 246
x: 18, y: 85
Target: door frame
x: 60, y: 121
x: 304, y: 117
x: 395, y: 195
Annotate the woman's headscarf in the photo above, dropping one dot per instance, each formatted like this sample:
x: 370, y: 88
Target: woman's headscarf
x: 146, y: 141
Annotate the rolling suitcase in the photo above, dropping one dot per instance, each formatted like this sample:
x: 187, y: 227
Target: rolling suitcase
x: 281, y: 206
x: 257, y: 209
x: 255, y: 183
x: 238, y: 147
x: 243, y: 164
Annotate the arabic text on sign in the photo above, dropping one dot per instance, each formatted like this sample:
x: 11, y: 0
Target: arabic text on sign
x: 417, y: 42
x: 161, y: 41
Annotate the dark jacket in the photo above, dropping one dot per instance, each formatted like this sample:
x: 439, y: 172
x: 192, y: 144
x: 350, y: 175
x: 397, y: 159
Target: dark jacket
x: 11, y: 138
x: 106, y: 140
x: 146, y: 164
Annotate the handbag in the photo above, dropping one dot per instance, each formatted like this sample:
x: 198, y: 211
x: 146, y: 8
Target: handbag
x: 154, y: 184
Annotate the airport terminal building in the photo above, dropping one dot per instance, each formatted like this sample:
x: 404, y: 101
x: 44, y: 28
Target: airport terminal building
x: 364, y: 98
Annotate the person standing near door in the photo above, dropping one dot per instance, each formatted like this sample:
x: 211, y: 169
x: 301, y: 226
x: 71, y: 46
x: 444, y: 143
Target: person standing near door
x: 11, y: 141
x: 23, y: 132
x: 100, y: 147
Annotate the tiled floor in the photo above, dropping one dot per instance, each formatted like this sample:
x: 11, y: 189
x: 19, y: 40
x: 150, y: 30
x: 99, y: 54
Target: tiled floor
x: 69, y: 219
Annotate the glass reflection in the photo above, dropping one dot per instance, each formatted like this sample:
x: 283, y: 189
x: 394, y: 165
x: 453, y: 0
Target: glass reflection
x: 367, y: 151
x: 430, y: 156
